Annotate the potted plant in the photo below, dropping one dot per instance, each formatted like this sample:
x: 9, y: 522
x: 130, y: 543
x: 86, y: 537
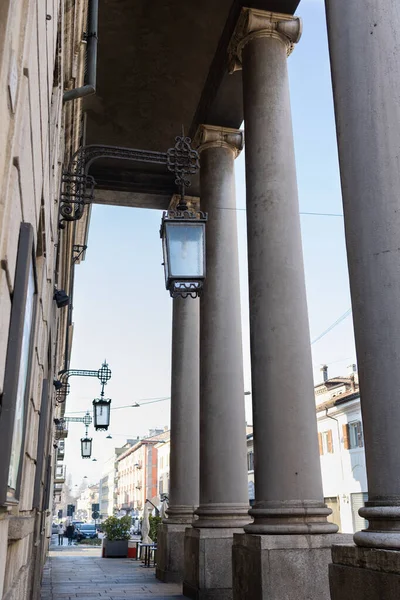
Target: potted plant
x: 117, y: 534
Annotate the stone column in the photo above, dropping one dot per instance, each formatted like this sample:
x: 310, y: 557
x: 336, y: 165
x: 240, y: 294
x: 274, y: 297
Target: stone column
x: 184, y: 454
x: 364, y: 44
x: 289, y: 508
x: 223, y: 470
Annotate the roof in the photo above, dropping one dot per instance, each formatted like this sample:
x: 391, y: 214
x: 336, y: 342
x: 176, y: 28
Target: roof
x: 155, y: 439
x: 337, y: 400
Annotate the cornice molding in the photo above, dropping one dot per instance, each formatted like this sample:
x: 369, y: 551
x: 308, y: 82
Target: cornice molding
x: 253, y: 24
x: 211, y: 136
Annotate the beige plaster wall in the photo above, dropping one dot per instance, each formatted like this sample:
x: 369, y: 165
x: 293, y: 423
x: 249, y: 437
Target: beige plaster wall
x: 34, y: 70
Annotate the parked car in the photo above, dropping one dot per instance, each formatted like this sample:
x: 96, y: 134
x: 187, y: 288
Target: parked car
x: 86, y: 532
x: 54, y: 528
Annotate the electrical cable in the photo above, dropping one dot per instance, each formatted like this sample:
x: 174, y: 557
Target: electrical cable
x: 313, y: 214
x: 141, y: 402
x: 339, y: 320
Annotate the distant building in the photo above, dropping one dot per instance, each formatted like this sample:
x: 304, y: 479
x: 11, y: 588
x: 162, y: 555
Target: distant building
x: 137, y: 472
x: 108, y: 490
x: 163, y: 452
x: 85, y: 500
x: 341, y: 448
x: 250, y: 466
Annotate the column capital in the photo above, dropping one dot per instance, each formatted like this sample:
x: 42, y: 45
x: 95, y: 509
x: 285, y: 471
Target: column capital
x: 211, y: 136
x: 253, y: 24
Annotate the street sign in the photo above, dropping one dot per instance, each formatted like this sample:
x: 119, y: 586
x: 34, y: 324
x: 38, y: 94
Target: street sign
x: 95, y: 507
x: 95, y: 514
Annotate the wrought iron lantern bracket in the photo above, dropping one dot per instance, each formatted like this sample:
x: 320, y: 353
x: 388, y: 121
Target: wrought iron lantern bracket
x: 77, y: 186
x: 62, y: 385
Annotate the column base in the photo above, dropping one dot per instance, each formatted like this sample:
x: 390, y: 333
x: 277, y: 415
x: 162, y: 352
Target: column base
x: 272, y: 567
x: 170, y: 552
x: 290, y: 517
x: 364, y: 573
x: 208, y: 563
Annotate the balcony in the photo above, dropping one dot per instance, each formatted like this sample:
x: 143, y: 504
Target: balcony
x: 59, y: 477
x: 58, y: 487
x: 61, y: 427
x: 61, y: 450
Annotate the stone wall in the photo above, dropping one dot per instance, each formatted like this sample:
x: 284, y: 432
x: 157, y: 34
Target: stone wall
x: 41, y: 54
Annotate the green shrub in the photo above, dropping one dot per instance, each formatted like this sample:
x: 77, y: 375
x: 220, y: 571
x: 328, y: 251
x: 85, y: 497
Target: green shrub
x: 90, y: 542
x: 154, y: 523
x: 117, y: 529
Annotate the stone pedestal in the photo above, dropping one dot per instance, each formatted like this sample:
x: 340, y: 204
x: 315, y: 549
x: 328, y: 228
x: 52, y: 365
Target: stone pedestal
x: 208, y: 565
x: 170, y: 552
x: 364, y: 573
x: 282, y: 567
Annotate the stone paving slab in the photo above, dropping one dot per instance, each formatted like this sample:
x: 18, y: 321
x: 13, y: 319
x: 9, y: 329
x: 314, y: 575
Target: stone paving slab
x: 73, y: 572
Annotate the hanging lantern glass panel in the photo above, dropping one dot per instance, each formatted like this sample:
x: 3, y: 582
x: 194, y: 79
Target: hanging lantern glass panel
x: 86, y: 447
x: 183, y: 237
x: 101, y: 414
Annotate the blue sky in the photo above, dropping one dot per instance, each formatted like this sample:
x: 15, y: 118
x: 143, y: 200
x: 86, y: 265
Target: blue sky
x: 123, y: 313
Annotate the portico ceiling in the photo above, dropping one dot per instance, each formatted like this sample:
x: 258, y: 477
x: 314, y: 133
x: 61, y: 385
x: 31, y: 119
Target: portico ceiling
x: 162, y: 64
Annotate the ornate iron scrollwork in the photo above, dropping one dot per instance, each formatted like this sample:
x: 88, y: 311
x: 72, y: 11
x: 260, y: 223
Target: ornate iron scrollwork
x: 183, y: 161
x: 78, y: 187
x: 62, y: 386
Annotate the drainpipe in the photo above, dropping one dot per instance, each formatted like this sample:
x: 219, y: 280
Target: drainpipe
x: 90, y: 87
x: 340, y: 447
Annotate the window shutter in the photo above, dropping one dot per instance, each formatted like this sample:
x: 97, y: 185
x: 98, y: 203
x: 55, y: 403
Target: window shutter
x: 320, y: 443
x: 330, y: 442
x: 360, y: 435
x: 346, y: 437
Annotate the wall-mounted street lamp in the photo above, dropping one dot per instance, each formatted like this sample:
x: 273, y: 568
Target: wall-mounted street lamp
x: 183, y: 230
x: 62, y: 385
x: 101, y: 414
x: 86, y: 447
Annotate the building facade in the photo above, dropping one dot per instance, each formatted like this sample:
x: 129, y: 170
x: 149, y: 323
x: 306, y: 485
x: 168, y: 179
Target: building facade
x: 85, y: 501
x: 137, y: 473
x: 108, y: 494
x: 341, y: 448
x: 41, y: 55
x: 163, y: 452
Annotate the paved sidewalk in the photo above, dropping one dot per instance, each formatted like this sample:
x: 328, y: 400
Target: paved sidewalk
x: 79, y: 572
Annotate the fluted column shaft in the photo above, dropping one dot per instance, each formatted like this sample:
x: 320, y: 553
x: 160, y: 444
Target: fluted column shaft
x: 184, y: 456
x: 364, y: 42
x: 288, y: 486
x: 223, y: 471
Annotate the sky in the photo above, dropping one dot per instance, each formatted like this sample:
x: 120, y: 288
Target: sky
x: 122, y: 311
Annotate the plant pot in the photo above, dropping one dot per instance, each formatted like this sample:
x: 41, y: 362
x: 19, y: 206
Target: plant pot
x: 115, y: 548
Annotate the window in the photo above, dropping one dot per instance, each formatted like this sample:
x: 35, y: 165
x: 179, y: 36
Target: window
x: 353, y: 435
x: 18, y: 368
x: 325, y: 441
x: 250, y: 461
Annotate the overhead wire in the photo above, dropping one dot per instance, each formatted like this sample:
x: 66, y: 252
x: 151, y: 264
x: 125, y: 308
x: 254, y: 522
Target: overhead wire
x: 314, y: 214
x: 339, y: 320
x: 137, y: 404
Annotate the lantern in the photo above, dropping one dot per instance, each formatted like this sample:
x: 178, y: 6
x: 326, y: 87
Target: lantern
x: 86, y: 447
x: 101, y: 414
x: 184, y: 249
